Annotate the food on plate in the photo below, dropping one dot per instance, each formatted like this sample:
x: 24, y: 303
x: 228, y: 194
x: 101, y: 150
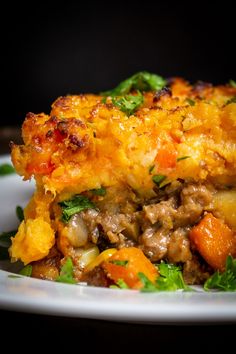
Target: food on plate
x: 134, y: 186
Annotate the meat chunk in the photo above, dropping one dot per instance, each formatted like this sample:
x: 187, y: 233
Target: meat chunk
x: 154, y: 243
x: 179, y: 246
x: 96, y: 277
x: 194, y: 199
x: 164, y: 212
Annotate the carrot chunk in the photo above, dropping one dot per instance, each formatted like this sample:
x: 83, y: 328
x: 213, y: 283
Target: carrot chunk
x: 126, y: 263
x: 214, y: 240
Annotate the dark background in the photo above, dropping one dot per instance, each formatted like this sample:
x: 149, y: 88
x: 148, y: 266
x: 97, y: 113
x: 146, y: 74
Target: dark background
x: 53, y: 50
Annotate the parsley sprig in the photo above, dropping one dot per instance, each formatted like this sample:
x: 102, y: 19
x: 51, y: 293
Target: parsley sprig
x: 128, y: 103
x: 170, y: 279
x: 225, y: 281
x: 140, y: 82
x: 75, y: 205
x: 66, y: 273
x: 6, y: 169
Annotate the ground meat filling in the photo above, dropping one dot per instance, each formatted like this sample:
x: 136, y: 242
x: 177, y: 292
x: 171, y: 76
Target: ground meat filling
x: 159, y: 227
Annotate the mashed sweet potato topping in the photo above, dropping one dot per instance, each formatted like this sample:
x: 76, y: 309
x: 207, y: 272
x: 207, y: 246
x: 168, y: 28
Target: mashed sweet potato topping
x: 144, y: 166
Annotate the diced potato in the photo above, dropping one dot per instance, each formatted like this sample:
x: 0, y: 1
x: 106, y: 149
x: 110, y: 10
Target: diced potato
x: 88, y: 256
x: 224, y: 203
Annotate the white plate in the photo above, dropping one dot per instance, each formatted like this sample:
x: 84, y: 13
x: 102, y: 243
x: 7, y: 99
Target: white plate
x: 38, y: 296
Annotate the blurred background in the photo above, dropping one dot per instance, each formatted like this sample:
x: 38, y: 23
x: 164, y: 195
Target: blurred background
x: 53, y: 50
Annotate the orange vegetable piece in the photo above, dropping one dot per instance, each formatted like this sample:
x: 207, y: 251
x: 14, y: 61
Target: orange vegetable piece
x: 134, y: 261
x: 214, y: 240
x: 167, y: 155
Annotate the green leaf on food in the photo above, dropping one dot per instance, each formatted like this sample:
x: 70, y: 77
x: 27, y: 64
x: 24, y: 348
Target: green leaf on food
x: 158, y: 179
x: 225, y: 281
x: 151, y: 168
x: 190, y: 101
x: 183, y: 158
x: 141, y: 81
x: 148, y: 286
x: 99, y: 191
x: 232, y: 83
x: 5, y: 238
x: 119, y: 263
x: 6, y: 169
x: 75, y: 205
x: 231, y: 100
x: 122, y: 284
x: 5, y: 243
x: 66, y: 273
x: 20, y: 213
x: 27, y: 270
x: 128, y: 103
x: 170, y: 279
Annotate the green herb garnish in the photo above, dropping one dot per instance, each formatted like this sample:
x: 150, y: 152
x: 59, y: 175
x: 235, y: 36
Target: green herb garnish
x: 119, y: 263
x: 225, y: 281
x: 190, y: 101
x: 231, y: 100
x: 5, y: 243
x: 27, y: 270
x: 142, y: 81
x: 5, y: 238
x: 99, y: 191
x: 170, y: 279
x: 20, y: 213
x: 122, y: 284
x: 158, y: 179
x: 66, y: 273
x: 6, y: 169
x: 74, y: 206
x: 183, y: 158
x: 128, y: 103
x: 232, y: 83
x: 151, y: 168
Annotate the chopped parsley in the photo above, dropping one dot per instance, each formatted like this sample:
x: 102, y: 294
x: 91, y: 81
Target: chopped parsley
x: 99, y: 191
x: 231, y: 100
x: 225, y: 281
x: 5, y: 238
x: 232, y: 83
x: 6, y: 169
x: 190, y: 101
x: 151, y: 168
x: 27, y: 270
x: 128, y: 103
x: 170, y: 279
x: 75, y: 205
x: 66, y: 273
x: 183, y: 158
x: 158, y: 179
x: 142, y: 81
x: 5, y: 243
x: 20, y: 213
x: 120, y: 284
x: 119, y: 263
